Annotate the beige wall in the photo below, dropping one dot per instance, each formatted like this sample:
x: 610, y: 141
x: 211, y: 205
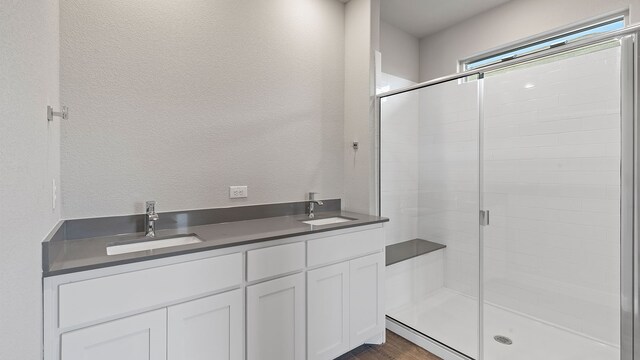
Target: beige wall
x: 515, y: 20
x: 361, y: 40
x: 29, y: 161
x: 175, y: 101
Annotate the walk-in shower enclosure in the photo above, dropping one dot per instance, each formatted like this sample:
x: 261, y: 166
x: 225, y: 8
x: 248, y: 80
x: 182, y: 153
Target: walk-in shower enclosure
x: 512, y: 190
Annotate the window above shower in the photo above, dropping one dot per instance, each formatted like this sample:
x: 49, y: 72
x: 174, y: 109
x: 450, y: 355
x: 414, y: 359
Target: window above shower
x: 544, y: 42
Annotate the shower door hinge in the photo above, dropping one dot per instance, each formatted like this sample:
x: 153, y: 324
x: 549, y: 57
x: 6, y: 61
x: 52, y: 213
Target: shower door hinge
x: 484, y: 217
x: 64, y: 113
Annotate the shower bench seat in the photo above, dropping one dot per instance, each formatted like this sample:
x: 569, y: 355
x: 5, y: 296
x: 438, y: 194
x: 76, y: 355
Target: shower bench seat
x: 409, y: 249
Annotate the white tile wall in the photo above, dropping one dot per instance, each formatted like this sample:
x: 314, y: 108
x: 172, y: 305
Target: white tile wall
x: 411, y: 281
x: 429, y: 183
x: 551, y: 172
x: 449, y: 188
x: 399, y: 161
x: 551, y: 162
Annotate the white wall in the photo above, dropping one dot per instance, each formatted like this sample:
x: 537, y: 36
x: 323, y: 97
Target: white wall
x: 400, y: 53
x: 361, y: 41
x: 29, y: 160
x: 175, y: 101
x: 515, y: 20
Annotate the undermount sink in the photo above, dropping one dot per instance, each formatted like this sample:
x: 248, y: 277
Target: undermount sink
x: 328, y: 221
x: 151, y: 244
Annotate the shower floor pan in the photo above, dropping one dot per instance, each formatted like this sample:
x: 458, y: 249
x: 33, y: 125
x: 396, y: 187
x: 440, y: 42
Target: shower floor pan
x: 441, y: 315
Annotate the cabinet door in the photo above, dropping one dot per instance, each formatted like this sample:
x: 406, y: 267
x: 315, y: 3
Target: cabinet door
x: 138, y: 337
x: 207, y: 328
x: 276, y: 319
x: 366, y: 309
x: 328, y: 311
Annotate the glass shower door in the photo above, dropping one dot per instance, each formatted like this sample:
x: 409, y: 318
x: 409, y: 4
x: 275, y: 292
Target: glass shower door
x: 430, y: 189
x: 552, y: 182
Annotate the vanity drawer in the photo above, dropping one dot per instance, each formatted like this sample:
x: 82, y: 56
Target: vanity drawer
x: 275, y: 260
x: 110, y: 296
x: 344, y: 246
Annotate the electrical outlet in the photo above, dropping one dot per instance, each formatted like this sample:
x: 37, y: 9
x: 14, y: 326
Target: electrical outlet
x: 54, y: 193
x: 237, y: 192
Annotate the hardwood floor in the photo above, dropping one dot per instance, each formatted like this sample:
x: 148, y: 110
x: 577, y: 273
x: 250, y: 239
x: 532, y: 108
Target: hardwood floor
x: 396, y: 348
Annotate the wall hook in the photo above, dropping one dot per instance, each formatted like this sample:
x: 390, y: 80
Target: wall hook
x: 64, y: 114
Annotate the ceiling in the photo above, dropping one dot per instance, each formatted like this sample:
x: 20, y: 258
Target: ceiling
x: 421, y: 18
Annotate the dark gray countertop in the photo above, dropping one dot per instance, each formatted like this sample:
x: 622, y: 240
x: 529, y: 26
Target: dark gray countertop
x: 73, y: 255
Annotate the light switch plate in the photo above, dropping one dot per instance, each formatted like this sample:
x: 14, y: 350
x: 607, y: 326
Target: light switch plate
x: 236, y: 192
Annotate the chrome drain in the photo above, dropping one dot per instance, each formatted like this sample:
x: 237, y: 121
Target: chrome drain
x: 503, y: 340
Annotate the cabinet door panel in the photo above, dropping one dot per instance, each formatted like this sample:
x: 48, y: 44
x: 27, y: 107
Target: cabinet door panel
x: 207, y: 328
x: 276, y: 319
x: 366, y: 310
x: 328, y: 311
x: 139, y: 337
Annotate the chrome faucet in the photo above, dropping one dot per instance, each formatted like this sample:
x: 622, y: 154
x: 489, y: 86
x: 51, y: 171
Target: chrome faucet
x: 312, y: 204
x: 150, y: 219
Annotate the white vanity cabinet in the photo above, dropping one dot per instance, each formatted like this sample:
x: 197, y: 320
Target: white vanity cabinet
x: 276, y: 319
x: 328, y: 306
x: 207, y: 328
x: 201, y: 329
x: 315, y: 296
x: 174, y: 310
x: 366, y: 316
x: 345, y: 306
x: 138, y: 337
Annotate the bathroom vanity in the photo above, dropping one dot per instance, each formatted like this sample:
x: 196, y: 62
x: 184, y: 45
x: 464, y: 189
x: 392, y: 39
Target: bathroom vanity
x: 261, y: 289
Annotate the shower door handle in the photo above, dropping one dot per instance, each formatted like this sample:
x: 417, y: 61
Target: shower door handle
x: 484, y: 217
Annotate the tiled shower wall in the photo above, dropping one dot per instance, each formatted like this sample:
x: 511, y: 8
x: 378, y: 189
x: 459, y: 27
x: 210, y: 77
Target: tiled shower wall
x: 399, y: 161
x: 448, y: 179
x: 551, y: 164
x: 552, y: 184
x: 405, y: 281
